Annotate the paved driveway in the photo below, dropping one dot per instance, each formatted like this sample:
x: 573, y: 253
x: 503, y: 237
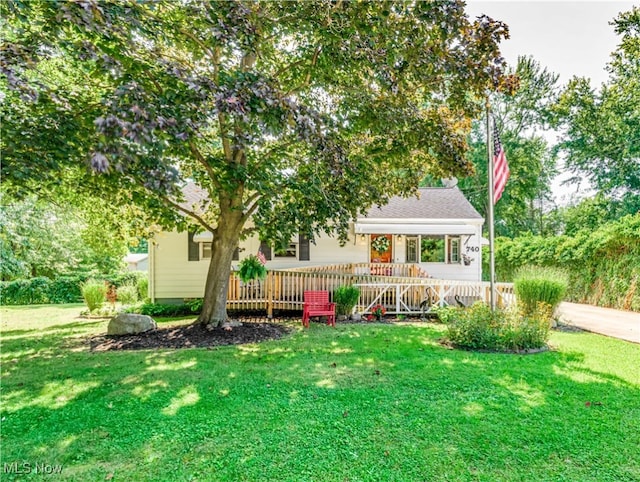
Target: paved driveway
x: 606, y: 321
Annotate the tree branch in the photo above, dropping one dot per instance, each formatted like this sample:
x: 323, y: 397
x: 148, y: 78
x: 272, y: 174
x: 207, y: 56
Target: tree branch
x: 198, y: 155
x: 253, y: 201
x: 226, y: 147
x: 177, y: 206
x: 307, y: 78
x: 188, y: 212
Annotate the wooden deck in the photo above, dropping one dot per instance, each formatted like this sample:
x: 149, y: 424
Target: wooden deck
x: 388, y: 285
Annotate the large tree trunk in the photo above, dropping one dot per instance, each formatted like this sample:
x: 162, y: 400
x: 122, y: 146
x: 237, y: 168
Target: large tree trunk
x: 225, y: 241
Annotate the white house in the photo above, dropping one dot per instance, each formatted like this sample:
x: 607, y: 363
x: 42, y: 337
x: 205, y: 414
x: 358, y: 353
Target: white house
x: 439, y: 230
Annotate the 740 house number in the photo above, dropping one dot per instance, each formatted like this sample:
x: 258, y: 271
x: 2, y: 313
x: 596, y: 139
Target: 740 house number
x: 473, y: 249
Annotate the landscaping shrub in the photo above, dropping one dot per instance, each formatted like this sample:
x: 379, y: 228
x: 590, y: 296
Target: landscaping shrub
x: 528, y: 330
x: 38, y: 290
x: 159, y: 309
x: 603, y: 265
x: 65, y: 289
x: 94, y: 294
x: 16, y: 292
x: 346, y: 298
x: 534, y: 285
x: 25, y: 291
x: 195, y: 305
x: 143, y: 287
x: 478, y: 327
x: 127, y: 294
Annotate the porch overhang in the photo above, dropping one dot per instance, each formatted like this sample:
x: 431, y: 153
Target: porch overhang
x: 388, y: 228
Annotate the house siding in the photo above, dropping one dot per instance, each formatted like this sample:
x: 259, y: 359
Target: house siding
x: 174, y: 275
x: 176, y: 278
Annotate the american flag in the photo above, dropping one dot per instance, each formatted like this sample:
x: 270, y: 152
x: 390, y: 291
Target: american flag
x: 261, y: 257
x: 500, y: 166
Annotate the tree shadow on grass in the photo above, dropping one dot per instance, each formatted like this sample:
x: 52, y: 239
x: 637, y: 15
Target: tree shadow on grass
x: 365, y: 403
x: 55, y: 329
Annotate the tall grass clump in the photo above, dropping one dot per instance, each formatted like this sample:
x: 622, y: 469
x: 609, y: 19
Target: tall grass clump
x: 143, y: 288
x: 128, y: 295
x: 94, y: 294
x: 534, y: 285
x: 346, y: 298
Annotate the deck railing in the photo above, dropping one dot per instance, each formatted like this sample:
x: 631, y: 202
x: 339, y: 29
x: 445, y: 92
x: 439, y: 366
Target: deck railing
x: 405, y: 270
x: 425, y: 295
x: 283, y: 290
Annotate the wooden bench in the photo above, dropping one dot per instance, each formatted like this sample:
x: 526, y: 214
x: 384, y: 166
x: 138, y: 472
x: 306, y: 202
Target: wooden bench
x: 316, y: 303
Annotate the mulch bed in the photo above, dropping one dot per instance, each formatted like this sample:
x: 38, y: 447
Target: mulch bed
x: 255, y: 328
x: 190, y: 336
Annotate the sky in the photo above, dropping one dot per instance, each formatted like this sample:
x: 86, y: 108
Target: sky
x: 567, y: 37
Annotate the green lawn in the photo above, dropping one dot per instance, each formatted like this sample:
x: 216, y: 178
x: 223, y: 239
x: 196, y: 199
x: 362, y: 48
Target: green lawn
x: 358, y: 402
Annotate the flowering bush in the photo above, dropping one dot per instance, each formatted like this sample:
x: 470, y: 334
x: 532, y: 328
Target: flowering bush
x: 377, y: 312
x: 478, y: 327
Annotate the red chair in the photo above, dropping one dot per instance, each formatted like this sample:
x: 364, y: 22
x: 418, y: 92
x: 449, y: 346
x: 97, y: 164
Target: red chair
x: 316, y: 303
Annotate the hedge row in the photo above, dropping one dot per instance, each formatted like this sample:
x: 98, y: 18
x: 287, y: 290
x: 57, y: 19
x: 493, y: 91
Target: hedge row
x: 64, y: 289
x: 603, y: 264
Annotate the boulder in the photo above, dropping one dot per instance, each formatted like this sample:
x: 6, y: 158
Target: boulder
x: 130, y: 324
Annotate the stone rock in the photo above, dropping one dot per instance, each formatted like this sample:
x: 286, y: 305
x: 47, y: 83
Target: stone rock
x: 130, y: 324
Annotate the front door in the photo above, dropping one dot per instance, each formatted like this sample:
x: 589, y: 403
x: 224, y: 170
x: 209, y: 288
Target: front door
x: 381, y: 248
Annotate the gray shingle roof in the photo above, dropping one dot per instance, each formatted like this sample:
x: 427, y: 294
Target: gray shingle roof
x: 431, y: 203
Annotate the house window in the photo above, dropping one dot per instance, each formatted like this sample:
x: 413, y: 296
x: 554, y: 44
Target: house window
x: 453, y: 251
x: 438, y: 249
x: 206, y: 251
x: 290, y: 251
x: 432, y: 249
x: 412, y: 249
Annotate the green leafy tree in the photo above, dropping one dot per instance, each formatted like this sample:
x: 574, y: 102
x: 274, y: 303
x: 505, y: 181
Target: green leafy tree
x: 591, y: 213
x: 601, y: 128
x: 38, y: 238
x: 297, y: 115
x: 521, y: 119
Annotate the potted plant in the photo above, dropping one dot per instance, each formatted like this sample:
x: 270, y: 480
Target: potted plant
x: 251, y: 268
x: 345, y: 297
x: 377, y: 312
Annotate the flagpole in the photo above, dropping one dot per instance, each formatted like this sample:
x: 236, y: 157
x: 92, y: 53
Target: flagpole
x: 492, y: 260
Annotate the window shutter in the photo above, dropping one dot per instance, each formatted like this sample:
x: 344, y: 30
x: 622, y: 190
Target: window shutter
x: 266, y: 250
x: 303, y: 248
x: 194, y: 248
x: 236, y: 253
